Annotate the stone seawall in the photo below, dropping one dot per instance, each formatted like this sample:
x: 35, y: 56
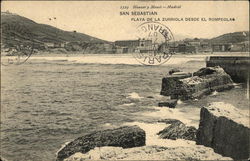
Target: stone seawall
x: 236, y: 66
x: 225, y: 129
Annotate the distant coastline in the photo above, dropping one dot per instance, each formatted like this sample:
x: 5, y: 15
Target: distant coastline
x: 51, y: 39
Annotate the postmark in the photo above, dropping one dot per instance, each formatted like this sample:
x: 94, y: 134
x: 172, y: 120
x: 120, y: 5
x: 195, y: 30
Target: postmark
x: 156, y: 43
x: 17, y: 44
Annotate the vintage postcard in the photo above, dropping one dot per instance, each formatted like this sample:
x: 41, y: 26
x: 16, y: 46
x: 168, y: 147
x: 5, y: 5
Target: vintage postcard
x: 124, y: 80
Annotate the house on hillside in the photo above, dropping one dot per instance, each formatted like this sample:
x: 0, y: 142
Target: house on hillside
x: 54, y: 44
x: 49, y: 45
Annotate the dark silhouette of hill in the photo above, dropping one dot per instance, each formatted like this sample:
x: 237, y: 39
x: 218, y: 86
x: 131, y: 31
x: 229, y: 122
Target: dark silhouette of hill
x: 20, y: 30
x: 235, y: 37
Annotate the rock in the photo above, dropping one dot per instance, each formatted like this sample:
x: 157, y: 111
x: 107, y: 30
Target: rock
x: 170, y: 82
x: 196, y: 152
x: 2, y: 159
x: 169, y: 103
x: 125, y: 137
x: 174, y: 71
x: 203, y: 82
x: 181, y: 73
x: 207, y: 71
x: 169, y: 121
x: 226, y: 129
x: 178, y: 130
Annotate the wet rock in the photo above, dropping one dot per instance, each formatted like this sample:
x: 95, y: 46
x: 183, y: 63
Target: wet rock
x: 125, y: 137
x: 3, y: 159
x: 178, y: 130
x: 195, y: 152
x: 169, y: 121
x: 206, y: 71
x: 174, y: 71
x: 170, y: 82
x: 203, y: 82
x: 169, y: 103
x: 226, y: 129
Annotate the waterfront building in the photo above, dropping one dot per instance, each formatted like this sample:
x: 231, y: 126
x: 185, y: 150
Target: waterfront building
x: 221, y: 47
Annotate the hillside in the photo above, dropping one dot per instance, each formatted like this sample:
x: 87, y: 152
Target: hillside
x: 235, y: 37
x: 20, y: 30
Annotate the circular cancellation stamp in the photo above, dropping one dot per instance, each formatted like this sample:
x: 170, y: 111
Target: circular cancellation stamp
x: 156, y: 43
x: 18, y: 44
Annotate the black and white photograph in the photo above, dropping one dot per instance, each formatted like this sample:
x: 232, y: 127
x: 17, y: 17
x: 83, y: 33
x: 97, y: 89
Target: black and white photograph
x: 124, y: 80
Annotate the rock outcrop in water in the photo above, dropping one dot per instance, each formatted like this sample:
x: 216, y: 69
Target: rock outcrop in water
x: 169, y: 103
x: 174, y: 70
x: 178, y: 130
x: 186, y: 86
x: 226, y: 129
x: 196, y: 152
x: 125, y: 137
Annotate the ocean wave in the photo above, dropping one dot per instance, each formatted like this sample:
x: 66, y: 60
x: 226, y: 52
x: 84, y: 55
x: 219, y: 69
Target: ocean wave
x: 128, y: 104
x: 151, y: 130
x: 134, y: 95
x: 113, y: 59
x: 214, y: 93
x: 189, y: 117
x: 62, y: 146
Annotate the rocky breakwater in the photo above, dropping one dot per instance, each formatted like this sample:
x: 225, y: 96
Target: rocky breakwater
x: 180, y: 85
x: 125, y: 137
x: 226, y: 129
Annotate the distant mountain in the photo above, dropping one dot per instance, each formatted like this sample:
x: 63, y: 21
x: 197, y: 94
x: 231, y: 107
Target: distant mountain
x: 235, y: 37
x: 18, y: 29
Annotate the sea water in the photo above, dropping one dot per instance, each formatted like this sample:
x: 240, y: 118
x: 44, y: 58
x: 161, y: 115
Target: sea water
x: 49, y: 101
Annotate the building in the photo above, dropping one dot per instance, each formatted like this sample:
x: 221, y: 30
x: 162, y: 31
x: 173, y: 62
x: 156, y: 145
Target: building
x: 49, y: 45
x: 240, y: 47
x: 54, y: 45
x: 185, y: 48
x: 109, y: 48
x: 221, y: 47
x: 146, y: 46
x: 120, y: 50
x: 127, y: 43
x: 205, y: 47
x: 128, y: 46
x: 131, y: 46
x: 193, y: 42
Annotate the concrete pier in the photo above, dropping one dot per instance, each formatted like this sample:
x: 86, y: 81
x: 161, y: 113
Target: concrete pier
x: 236, y: 66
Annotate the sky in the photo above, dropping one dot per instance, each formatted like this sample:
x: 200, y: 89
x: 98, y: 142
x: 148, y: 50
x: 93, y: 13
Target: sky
x: 102, y: 19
